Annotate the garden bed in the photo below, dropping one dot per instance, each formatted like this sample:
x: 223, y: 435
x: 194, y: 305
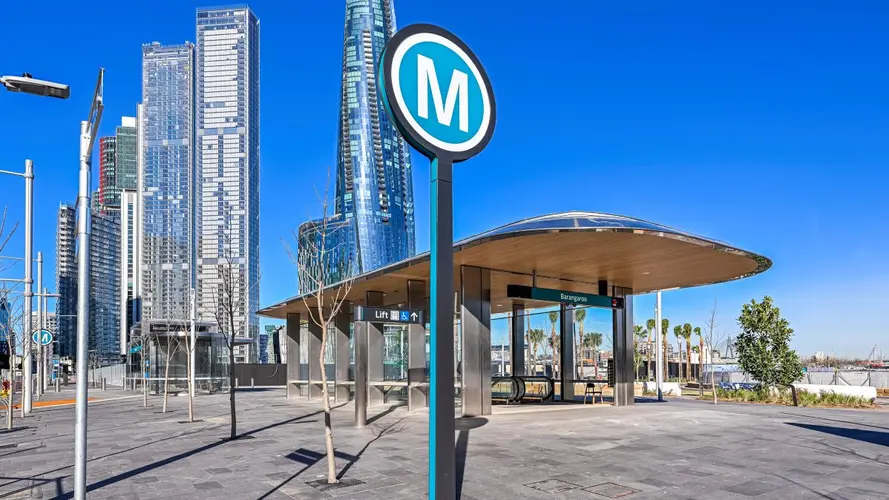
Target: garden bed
x: 785, y: 397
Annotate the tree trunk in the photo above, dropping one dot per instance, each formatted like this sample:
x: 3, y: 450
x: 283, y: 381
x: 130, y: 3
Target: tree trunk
x: 595, y: 363
x: 666, y: 367
x: 687, y: 360
x: 648, y: 366
x: 325, y: 398
x: 144, y: 379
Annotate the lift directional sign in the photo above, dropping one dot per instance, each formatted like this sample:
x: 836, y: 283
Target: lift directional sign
x: 42, y: 337
x: 386, y: 315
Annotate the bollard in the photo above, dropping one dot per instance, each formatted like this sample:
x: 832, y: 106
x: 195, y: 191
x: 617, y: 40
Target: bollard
x: 251, y: 383
x: 236, y: 383
x: 58, y: 385
x: 103, y: 383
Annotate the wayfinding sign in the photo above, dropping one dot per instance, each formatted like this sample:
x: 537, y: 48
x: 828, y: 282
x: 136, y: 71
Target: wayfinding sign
x: 563, y: 297
x: 438, y: 95
x: 388, y: 315
x: 42, y: 337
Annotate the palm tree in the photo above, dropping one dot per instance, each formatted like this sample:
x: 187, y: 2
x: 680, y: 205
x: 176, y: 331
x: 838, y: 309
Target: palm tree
x: 535, y: 338
x: 592, y: 341
x: 677, y: 332
x: 650, y: 325
x: 665, y: 327
x: 579, y: 317
x: 697, y: 331
x: 639, y: 337
x: 686, y: 334
x: 553, y: 319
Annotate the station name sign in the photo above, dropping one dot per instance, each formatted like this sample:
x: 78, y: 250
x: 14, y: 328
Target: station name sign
x: 387, y: 315
x: 563, y: 297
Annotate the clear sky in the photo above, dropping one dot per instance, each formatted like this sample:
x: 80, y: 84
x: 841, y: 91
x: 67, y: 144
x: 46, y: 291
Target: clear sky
x: 763, y: 124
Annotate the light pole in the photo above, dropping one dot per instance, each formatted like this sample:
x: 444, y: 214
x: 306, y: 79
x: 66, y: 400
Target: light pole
x: 39, y: 325
x: 192, y: 342
x: 88, y: 130
x: 44, y: 361
x: 29, y: 85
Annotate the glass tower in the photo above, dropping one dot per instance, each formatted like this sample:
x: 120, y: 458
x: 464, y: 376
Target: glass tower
x: 167, y: 131
x: 227, y: 200
x: 117, y: 164
x: 66, y: 281
x: 374, y: 186
x: 104, y: 286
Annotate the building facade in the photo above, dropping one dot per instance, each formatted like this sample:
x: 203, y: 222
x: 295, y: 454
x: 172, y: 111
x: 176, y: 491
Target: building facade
x: 130, y: 258
x: 227, y: 114
x: 374, y: 179
x: 166, y: 180
x: 66, y: 281
x: 117, y: 165
x: 104, y: 287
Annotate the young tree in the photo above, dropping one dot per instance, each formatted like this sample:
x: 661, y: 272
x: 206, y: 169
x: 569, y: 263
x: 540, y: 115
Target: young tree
x: 686, y: 335
x: 677, y: 332
x: 639, y: 336
x: 593, y: 341
x: 713, y: 338
x: 230, y: 295
x: 14, y: 331
x: 535, y: 340
x: 321, y: 261
x: 697, y: 331
x: 763, y: 345
x: 553, y: 342
x: 173, y: 345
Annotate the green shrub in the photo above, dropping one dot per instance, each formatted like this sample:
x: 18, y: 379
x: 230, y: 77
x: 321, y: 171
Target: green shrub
x: 785, y: 397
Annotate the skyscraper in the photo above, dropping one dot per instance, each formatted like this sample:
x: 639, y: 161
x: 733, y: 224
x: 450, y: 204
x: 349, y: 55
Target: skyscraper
x: 227, y: 110
x: 117, y: 164
x: 66, y: 281
x: 104, y: 287
x: 130, y: 258
x: 167, y: 180
x: 374, y: 221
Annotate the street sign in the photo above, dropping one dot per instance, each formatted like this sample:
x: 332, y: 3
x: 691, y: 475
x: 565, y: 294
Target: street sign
x: 387, y: 315
x: 563, y: 297
x: 42, y: 337
x: 423, y: 63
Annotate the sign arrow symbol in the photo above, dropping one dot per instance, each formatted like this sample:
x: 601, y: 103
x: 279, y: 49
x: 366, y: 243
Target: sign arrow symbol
x: 413, y: 316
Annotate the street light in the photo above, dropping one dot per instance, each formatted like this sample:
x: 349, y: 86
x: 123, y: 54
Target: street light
x: 28, y: 85
x: 88, y: 130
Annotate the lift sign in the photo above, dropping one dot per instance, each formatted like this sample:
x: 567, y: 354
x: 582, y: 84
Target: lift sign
x: 385, y: 315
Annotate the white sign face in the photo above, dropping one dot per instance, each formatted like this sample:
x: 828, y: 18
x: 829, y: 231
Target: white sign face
x: 437, y: 93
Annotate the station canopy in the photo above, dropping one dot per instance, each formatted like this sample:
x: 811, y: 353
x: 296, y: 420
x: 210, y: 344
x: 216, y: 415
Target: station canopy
x: 570, y: 251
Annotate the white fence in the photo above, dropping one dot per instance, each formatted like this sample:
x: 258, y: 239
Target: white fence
x: 865, y: 378
x: 113, y: 375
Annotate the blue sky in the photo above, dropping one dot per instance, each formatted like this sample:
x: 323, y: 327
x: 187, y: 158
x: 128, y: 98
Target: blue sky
x: 758, y: 123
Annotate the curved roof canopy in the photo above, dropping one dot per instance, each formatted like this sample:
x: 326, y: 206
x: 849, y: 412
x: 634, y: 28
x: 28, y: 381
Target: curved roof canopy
x: 569, y: 251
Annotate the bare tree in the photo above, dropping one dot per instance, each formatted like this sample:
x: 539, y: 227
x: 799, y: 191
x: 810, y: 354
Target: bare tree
x: 15, y: 333
x: 713, y: 339
x: 320, y: 253
x: 172, y: 346
x: 230, y: 302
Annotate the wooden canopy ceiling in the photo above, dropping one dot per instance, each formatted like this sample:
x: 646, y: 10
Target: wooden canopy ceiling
x: 567, y: 255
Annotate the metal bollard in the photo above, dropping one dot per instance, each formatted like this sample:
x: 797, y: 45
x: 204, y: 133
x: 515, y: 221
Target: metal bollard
x: 251, y: 383
x: 58, y: 385
x: 236, y: 383
x: 103, y: 383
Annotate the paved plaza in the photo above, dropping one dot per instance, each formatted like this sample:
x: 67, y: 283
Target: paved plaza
x: 675, y: 450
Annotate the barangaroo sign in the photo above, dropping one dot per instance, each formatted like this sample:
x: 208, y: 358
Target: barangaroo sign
x: 563, y: 297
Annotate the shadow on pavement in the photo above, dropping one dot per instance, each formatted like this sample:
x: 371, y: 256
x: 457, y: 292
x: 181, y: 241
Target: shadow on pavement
x: 873, y: 437
x: 464, y: 425
x: 310, y: 458
x: 385, y: 412
x: 186, y: 454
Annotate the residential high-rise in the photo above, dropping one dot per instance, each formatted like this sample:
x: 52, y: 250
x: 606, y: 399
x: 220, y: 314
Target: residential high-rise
x: 227, y: 200
x: 166, y: 179
x: 130, y: 258
x: 104, y: 287
x: 374, y: 221
x: 117, y: 165
x: 66, y: 281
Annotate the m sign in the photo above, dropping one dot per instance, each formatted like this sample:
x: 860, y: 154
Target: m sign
x: 437, y: 92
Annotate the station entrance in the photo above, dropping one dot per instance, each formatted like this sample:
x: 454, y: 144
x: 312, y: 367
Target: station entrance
x: 494, y: 321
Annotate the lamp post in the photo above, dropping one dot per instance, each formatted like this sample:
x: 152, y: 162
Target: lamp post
x: 26, y: 84
x: 88, y: 130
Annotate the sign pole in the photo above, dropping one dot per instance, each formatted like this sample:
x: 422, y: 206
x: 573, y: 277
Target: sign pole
x: 442, y: 455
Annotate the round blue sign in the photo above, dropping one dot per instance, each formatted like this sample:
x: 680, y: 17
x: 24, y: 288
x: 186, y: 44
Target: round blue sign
x: 437, y: 93
x: 42, y: 337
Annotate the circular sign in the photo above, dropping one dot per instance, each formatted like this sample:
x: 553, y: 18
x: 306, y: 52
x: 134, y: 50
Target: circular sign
x: 42, y: 337
x: 437, y: 93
